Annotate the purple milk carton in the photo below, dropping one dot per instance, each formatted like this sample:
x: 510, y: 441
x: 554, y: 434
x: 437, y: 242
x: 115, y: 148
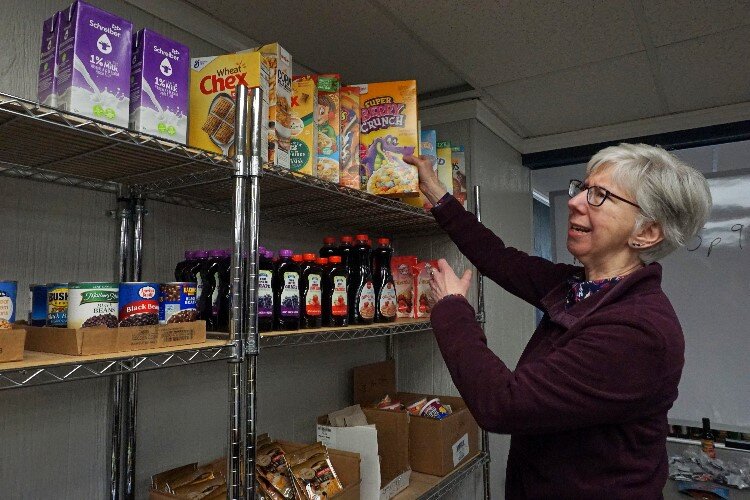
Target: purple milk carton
x: 46, y: 93
x: 159, y: 86
x: 93, y: 76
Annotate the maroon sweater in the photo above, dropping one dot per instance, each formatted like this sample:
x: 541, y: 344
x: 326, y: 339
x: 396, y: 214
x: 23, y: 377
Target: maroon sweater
x: 587, y: 404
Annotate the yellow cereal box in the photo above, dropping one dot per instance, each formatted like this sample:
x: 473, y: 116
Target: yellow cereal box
x: 279, y: 63
x: 328, y: 121
x: 303, y: 155
x: 458, y: 172
x: 349, y: 160
x: 212, y: 93
x: 389, y: 131
x: 444, y: 164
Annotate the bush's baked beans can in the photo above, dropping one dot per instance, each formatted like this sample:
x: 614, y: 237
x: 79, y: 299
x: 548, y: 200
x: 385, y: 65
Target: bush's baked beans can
x: 177, y: 302
x: 8, y: 294
x: 92, y: 305
x: 37, y: 305
x: 139, y: 304
x: 57, y: 304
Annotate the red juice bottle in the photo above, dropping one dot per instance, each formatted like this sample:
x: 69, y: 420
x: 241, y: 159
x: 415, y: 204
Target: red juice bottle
x: 328, y: 248
x: 361, y: 288
x: 311, y: 293
x: 336, y: 300
x: 385, y: 288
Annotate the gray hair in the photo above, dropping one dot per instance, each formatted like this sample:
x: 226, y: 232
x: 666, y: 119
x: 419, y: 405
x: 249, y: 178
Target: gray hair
x: 671, y: 193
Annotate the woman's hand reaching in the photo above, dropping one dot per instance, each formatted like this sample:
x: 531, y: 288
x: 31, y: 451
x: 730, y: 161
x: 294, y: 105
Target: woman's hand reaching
x: 444, y: 282
x: 429, y: 183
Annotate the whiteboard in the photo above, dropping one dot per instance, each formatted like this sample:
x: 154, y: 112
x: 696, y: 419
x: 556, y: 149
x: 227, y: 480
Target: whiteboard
x: 708, y: 283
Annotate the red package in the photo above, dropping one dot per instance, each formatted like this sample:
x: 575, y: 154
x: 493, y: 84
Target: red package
x: 402, y: 268
x: 422, y: 275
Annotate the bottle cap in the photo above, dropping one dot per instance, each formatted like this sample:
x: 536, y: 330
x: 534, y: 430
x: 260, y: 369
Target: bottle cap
x: 216, y: 253
x: 285, y: 253
x: 334, y: 259
x: 322, y: 261
x: 201, y: 254
x: 346, y: 239
x: 384, y: 241
x: 269, y: 254
x: 297, y: 257
x: 361, y: 237
x: 309, y: 257
x: 329, y: 240
x: 261, y: 250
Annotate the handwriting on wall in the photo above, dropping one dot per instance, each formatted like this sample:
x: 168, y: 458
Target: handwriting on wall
x: 731, y: 238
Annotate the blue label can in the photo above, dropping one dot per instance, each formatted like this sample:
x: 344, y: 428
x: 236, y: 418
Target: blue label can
x: 57, y: 304
x: 37, y: 305
x: 177, y: 302
x: 8, y: 294
x: 139, y: 304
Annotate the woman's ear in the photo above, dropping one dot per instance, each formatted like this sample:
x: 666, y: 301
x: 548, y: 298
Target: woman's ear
x: 647, y: 236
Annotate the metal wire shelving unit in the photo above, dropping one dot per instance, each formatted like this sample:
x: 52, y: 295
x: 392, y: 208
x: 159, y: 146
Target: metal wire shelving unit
x: 49, y: 145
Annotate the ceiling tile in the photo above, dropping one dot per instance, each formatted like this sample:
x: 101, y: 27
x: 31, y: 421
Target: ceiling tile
x: 706, y: 72
x: 671, y: 21
x: 603, y: 93
x: 494, y: 42
x: 353, y: 38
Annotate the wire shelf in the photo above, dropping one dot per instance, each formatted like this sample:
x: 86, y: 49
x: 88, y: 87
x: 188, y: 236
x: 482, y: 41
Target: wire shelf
x: 455, y: 478
x: 323, y: 335
x: 50, y: 145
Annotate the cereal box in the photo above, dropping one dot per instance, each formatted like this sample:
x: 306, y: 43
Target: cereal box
x: 402, y: 268
x: 303, y: 154
x: 458, y: 164
x: 389, y: 130
x: 328, y: 120
x: 279, y: 102
x: 349, y: 160
x: 428, y: 148
x: 422, y: 275
x: 445, y: 165
x: 212, y: 93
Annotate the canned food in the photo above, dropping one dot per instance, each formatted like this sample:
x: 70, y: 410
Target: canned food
x: 57, y: 304
x: 92, y: 305
x: 8, y: 293
x: 177, y: 302
x: 139, y: 304
x: 37, y: 305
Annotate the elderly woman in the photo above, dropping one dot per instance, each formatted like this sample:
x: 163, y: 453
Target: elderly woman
x: 587, y: 403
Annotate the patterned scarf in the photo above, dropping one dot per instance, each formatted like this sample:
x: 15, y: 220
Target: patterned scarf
x: 581, y: 289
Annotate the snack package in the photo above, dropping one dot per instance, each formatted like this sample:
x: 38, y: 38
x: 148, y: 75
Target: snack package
x: 303, y: 154
x: 416, y: 407
x: 428, y: 148
x: 349, y: 160
x: 314, y: 476
x: 402, y: 268
x: 279, y: 63
x: 388, y: 131
x: 422, y: 277
x: 328, y: 120
x: 445, y: 164
x: 271, y: 463
x: 213, y: 82
x: 458, y: 168
x: 388, y: 404
x: 435, y: 409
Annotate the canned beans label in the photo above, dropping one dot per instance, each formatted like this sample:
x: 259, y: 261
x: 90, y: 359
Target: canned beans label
x: 138, y: 304
x: 177, y: 303
x: 57, y: 306
x: 92, y: 306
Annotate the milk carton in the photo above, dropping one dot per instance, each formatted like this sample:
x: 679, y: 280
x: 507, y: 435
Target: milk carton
x: 159, y: 86
x: 349, y: 158
x: 304, y: 144
x: 93, y: 77
x: 328, y: 120
x: 213, y: 88
x: 458, y: 164
x: 445, y: 165
x: 46, y: 92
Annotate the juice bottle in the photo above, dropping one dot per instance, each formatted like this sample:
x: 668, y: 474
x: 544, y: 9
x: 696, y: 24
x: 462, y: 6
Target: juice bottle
x: 346, y: 251
x: 265, y: 291
x: 211, y: 294
x: 286, y: 292
x: 196, y: 273
x: 181, y: 267
x: 328, y: 248
x: 325, y: 286
x: 362, y: 289
x: 336, y: 300
x: 385, y: 288
x: 311, y: 293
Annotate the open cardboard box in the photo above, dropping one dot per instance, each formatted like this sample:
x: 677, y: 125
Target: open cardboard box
x: 11, y: 344
x: 436, y: 447
x: 83, y: 341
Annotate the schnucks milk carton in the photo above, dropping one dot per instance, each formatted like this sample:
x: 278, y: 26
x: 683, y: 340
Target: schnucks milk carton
x: 304, y: 146
x: 46, y: 93
x: 458, y: 164
x: 328, y: 119
x: 93, y: 76
x: 213, y: 89
x: 349, y: 158
x: 445, y: 165
x: 159, y: 86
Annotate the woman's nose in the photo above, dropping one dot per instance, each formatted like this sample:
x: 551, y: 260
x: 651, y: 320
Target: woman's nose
x: 578, y: 202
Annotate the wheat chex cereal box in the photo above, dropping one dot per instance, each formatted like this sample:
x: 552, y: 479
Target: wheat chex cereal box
x: 303, y: 153
x: 349, y: 158
x: 388, y: 131
x: 213, y: 83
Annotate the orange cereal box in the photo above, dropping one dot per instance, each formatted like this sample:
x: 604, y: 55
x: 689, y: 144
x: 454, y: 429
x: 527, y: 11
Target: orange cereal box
x: 349, y: 159
x: 213, y: 82
x: 304, y: 147
x: 388, y: 131
x: 328, y: 120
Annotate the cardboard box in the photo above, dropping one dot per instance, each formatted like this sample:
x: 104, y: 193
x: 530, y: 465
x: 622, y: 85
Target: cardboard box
x: 84, y: 341
x: 11, y: 344
x: 349, y: 161
x: 329, y: 123
x: 345, y: 463
x: 436, y: 447
x: 304, y: 146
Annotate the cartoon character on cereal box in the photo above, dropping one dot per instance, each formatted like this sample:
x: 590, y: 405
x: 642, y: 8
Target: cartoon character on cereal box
x: 326, y: 145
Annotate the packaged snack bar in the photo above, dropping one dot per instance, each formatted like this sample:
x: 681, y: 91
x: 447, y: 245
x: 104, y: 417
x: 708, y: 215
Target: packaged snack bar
x: 388, y: 131
x: 458, y: 164
x: 445, y: 164
x: 402, y: 268
x: 328, y: 120
x: 314, y: 476
x: 271, y: 463
x: 303, y: 154
x: 349, y: 158
x: 213, y: 83
x: 422, y: 277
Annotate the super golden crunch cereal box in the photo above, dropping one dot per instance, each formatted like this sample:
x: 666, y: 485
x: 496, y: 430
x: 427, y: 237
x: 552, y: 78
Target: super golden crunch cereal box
x: 304, y: 147
x: 389, y: 130
x: 213, y: 83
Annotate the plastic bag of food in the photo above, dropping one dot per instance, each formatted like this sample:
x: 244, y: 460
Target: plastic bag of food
x: 314, y: 476
x: 272, y: 465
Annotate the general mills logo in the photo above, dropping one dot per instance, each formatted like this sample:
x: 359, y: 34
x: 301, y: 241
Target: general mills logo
x: 165, y: 67
x: 147, y: 292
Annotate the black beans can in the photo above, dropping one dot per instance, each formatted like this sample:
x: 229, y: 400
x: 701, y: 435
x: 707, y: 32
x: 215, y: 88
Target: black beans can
x: 177, y: 302
x: 138, y: 304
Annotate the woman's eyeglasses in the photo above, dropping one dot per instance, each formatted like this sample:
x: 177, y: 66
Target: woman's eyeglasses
x: 595, y: 195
